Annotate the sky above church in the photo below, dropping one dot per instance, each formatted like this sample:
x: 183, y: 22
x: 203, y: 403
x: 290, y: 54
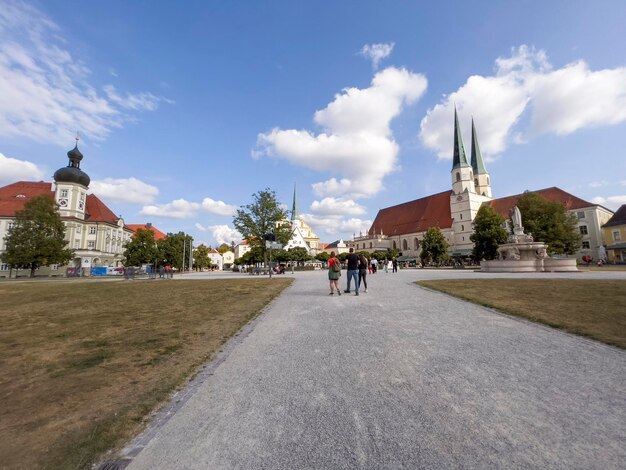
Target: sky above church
x: 185, y: 109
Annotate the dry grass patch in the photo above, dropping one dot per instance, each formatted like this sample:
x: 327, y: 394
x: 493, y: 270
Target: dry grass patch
x: 596, y: 309
x: 83, y: 363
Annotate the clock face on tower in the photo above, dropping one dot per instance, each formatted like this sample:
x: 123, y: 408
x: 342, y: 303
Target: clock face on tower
x: 63, y: 202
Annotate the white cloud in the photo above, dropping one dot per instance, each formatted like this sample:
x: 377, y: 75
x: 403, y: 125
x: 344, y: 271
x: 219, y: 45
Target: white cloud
x: 218, y: 207
x: 12, y: 170
x: 377, y: 52
x: 44, y: 91
x: 333, y: 206
x: 558, y: 101
x: 222, y: 233
x: 336, y: 226
x: 182, y: 209
x: 356, y: 140
x: 130, y: 190
x: 177, y: 209
x: 612, y: 202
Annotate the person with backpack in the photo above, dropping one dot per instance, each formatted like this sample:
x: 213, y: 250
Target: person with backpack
x: 363, y: 266
x: 334, y: 273
x: 353, y: 271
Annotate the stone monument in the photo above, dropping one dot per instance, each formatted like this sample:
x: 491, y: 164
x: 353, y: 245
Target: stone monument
x: 522, y: 254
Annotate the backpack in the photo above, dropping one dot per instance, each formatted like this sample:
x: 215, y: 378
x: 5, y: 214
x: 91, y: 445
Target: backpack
x: 336, y: 266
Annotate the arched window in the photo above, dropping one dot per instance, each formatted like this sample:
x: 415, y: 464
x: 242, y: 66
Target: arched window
x: 462, y: 228
x: 395, y: 247
x: 370, y: 244
x: 416, y: 244
x: 458, y: 176
x: 405, y: 245
x: 475, y: 181
x: 461, y: 216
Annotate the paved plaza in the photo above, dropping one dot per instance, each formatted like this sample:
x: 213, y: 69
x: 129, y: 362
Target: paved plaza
x: 400, y: 377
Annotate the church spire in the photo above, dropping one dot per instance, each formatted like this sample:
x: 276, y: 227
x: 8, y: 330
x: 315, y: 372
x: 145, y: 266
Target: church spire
x: 478, y: 165
x: 459, y: 159
x: 294, y: 208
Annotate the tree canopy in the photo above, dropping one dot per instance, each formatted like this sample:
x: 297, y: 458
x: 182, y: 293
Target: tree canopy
x: 37, y: 238
x: 223, y: 248
x: 201, y: 258
x: 434, y: 246
x: 142, y: 248
x: 263, y: 216
x: 489, y: 233
x: 550, y: 223
x: 172, y: 248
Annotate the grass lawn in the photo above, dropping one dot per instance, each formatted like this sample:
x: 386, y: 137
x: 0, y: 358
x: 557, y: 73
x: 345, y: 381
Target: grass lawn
x: 596, y: 309
x: 83, y: 363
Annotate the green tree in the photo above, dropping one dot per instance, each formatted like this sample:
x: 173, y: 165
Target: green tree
x: 37, y: 238
x: 298, y: 253
x: 142, y: 248
x: 201, y: 258
x: 322, y: 256
x: 550, y: 223
x: 263, y: 216
x: 489, y: 233
x: 434, y: 246
x: 172, y: 248
x: 224, y: 247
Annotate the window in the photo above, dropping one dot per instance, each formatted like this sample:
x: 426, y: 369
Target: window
x: 82, y: 196
x: 395, y: 247
x: 462, y: 228
x: 4, y: 267
x: 458, y: 176
x: 580, y: 214
x: 583, y: 230
x: 91, y: 244
x: 54, y: 267
x: 475, y: 181
x: 92, y: 230
x: 461, y: 216
x: 64, y: 193
x: 416, y: 244
x: 405, y: 244
x: 79, y: 229
x: 585, y: 245
x: 616, y: 235
x: 76, y: 243
x: 370, y: 244
x: 11, y: 225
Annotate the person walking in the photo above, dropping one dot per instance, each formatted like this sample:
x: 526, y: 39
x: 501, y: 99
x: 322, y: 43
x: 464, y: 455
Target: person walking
x: 334, y: 273
x: 363, y: 266
x: 386, y: 265
x: 374, y: 265
x: 395, y: 264
x: 353, y: 271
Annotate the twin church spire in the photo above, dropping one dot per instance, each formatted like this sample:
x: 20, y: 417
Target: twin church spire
x: 472, y: 176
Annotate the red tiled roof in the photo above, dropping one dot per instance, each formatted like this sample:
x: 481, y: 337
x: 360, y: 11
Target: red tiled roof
x: 244, y: 242
x: 322, y: 246
x: 414, y: 216
x: 10, y: 203
x: 504, y: 204
x: 97, y: 211
x: 158, y: 235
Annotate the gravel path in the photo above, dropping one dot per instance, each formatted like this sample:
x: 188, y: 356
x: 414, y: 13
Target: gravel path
x: 400, y: 377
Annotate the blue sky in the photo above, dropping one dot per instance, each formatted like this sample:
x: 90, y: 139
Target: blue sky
x: 187, y: 108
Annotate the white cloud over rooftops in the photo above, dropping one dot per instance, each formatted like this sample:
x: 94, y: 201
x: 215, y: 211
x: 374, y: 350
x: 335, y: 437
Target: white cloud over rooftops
x: 611, y: 202
x: 129, y: 190
x: 356, y: 141
x: 12, y: 170
x: 558, y: 102
x: 183, y: 209
x: 333, y: 206
x: 222, y: 233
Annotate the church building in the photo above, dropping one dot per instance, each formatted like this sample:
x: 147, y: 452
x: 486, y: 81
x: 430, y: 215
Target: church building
x: 92, y: 230
x: 453, y: 211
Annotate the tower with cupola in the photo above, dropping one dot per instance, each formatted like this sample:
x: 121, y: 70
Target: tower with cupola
x: 71, y: 185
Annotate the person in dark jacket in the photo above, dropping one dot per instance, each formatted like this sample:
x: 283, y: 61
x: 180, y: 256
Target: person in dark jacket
x: 353, y: 271
x: 363, y: 267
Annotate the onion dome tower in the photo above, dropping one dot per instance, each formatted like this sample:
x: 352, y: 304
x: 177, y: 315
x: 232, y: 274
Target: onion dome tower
x: 72, y: 172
